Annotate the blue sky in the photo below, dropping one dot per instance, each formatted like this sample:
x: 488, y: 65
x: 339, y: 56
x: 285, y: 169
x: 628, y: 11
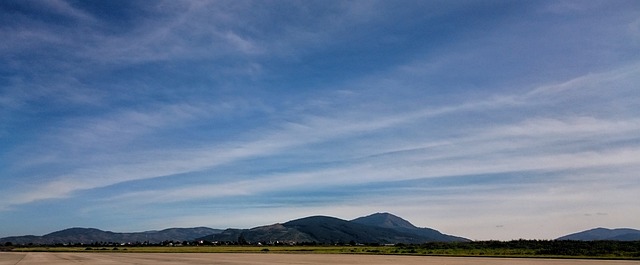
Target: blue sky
x: 483, y: 119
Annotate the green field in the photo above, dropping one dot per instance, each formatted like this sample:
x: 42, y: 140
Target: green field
x: 472, y: 250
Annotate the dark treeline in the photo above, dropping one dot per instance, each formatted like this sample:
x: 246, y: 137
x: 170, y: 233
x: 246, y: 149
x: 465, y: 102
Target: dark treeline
x: 495, y: 248
x: 540, y: 247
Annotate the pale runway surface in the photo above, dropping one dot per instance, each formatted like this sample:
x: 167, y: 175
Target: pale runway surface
x: 266, y: 259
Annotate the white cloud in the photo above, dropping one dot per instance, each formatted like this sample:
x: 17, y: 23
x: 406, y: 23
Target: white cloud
x: 439, y: 116
x: 526, y: 147
x: 590, y: 81
x: 513, y: 147
x: 64, y: 8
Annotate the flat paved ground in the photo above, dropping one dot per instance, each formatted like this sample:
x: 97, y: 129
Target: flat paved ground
x: 52, y: 258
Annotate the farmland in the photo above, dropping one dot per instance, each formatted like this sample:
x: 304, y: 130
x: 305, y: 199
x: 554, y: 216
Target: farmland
x: 518, y: 248
x: 54, y: 258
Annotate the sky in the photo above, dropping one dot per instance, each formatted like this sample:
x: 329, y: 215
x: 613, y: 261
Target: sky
x: 483, y: 119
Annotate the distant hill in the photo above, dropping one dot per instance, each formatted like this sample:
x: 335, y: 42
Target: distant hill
x: 333, y: 230
x: 385, y: 220
x: 391, y: 221
x: 620, y: 234
x: 269, y: 233
x: 382, y: 228
x: 92, y: 235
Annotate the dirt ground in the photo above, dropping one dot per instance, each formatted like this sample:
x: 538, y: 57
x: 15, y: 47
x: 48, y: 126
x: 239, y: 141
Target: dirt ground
x: 271, y: 258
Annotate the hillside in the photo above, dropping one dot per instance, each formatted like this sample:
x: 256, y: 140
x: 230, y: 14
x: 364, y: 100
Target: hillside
x: 333, y: 230
x: 619, y: 234
x: 377, y: 228
x: 92, y: 235
x: 387, y: 220
x: 269, y: 233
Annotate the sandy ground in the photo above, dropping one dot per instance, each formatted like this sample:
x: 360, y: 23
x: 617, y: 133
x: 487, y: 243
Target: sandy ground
x: 270, y: 258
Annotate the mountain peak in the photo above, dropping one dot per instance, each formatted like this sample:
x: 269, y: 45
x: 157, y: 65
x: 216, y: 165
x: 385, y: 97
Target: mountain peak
x: 77, y: 231
x: 600, y: 233
x: 382, y: 228
x: 386, y: 220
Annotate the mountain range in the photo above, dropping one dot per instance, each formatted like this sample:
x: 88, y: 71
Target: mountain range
x: 381, y: 228
x: 619, y: 234
x: 92, y: 235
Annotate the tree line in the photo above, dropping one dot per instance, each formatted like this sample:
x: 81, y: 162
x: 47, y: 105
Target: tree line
x: 604, y: 248
x: 596, y: 248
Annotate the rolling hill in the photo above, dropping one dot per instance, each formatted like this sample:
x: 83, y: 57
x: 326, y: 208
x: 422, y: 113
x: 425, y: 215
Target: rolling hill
x: 92, y: 235
x: 387, y: 220
x: 620, y: 234
x: 381, y: 228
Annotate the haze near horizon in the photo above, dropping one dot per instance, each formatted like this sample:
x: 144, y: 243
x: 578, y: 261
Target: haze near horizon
x: 481, y: 119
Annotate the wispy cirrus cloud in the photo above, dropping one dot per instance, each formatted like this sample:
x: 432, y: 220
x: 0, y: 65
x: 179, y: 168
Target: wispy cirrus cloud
x: 585, y: 154
x: 528, y: 145
x: 493, y: 152
x: 236, y: 106
x: 441, y: 159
